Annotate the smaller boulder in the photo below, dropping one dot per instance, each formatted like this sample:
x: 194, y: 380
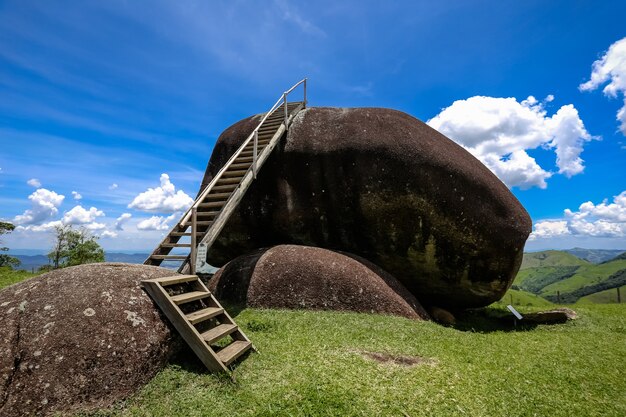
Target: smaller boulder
x: 80, y: 338
x: 294, y: 277
x: 555, y: 316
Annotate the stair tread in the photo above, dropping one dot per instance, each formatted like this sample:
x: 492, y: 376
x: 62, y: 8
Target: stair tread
x: 176, y: 279
x: 176, y: 245
x: 169, y: 257
x: 204, y: 314
x: 189, y: 296
x: 218, y: 332
x: 233, y: 351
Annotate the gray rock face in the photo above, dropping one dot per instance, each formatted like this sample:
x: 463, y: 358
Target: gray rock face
x: 79, y: 338
x: 300, y: 277
x: 381, y: 184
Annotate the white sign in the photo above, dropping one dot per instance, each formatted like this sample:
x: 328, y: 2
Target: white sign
x: 515, y: 312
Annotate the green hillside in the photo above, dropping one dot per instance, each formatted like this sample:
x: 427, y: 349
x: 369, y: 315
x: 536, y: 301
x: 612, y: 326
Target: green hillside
x: 522, y: 298
x: 604, y: 297
x: 588, y: 280
x: 554, y: 258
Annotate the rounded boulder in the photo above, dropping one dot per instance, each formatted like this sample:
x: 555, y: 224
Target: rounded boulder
x: 79, y: 338
x: 383, y: 185
x: 300, y: 277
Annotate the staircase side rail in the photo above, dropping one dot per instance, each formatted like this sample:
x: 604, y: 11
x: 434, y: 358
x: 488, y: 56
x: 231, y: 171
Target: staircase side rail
x: 254, y: 134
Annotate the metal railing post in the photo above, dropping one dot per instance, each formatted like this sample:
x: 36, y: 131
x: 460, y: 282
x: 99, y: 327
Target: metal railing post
x: 304, y: 92
x: 194, y: 229
x: 285, y: 104
x: 254, y: 152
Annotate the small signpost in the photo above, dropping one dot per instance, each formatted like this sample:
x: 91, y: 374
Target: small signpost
x: 516, y: 313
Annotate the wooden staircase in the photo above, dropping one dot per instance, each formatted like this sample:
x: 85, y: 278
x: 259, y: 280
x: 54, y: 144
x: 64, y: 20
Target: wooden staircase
x: 214, y: 206
x: 185, y: 300
x: 200, y: 320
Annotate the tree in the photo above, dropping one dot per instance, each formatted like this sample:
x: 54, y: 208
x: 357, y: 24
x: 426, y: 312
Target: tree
x: 74, y: 247
x: 6, y: 260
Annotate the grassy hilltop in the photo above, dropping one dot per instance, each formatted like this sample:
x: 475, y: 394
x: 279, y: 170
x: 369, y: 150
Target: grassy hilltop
x: 328, y: 363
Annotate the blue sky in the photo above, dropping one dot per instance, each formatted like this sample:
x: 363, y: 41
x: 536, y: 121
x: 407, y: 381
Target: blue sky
x: 103, y: 98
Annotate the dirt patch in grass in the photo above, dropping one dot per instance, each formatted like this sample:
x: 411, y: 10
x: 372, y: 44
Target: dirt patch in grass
x: 387, y: 358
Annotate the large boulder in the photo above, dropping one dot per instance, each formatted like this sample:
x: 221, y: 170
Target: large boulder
x: 294, y: 277
x: 385, y: 186
x: 79, y: 338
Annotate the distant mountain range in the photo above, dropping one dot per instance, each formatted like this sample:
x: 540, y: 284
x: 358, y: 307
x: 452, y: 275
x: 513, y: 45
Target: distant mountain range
x: 33, y: 262
x: 562, y: 276
x: 595, y: 256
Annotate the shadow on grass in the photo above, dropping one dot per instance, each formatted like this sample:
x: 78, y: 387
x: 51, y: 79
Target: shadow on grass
x: 486, y: 320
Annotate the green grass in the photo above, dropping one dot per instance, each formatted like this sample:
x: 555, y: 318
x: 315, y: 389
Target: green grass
x: 10, y: 277
x: 310, y: 364
x: 523, y: 298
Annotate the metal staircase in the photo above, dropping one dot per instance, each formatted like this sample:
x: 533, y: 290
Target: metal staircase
x: 189, y: 240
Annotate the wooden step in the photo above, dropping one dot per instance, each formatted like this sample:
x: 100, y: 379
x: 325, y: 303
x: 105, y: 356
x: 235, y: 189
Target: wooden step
x: 218, y: 332
x: 169, y: 257
x: 233, y: 351
x: 175, y: 245
x: 204, y: 314
x: 242, y: 165
x: 189, y: 297
x: 225, y: 188
x: 211, y: 204
x: 235, y: 180
x: 209, y: 214
x: 181, y: 234
x: 229, y: 174
x: 175, y: 279
x: 217, y: 196
x: 200, y: 223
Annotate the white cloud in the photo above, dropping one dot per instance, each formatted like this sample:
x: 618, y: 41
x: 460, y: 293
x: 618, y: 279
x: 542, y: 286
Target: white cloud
x: 113, y: 186
x: 108, y: 234
x: 45, y: 205
x: 76, y: 195
x: 45, y: 227
x: 163, y: 199
x: 119, y: 222
x: 78, y: 215
x: 500, y: 131
x: 595, y: 220
x: 34, y: 182
x: 549, y: 228
x: 611, y: 68
x: 156, y: 223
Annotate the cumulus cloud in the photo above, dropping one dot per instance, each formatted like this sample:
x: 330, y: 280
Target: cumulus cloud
x: 76, y: 195
x: 596, y: 220
x: 163, y: 199
x: 79, y: 215
x: 119, y: 222
x: 611, y: 69
x: 108, y: 234
x: 34, y: 182
x: 45, y: 204
x: 156, y: 223
x: 113, y: 186
x: 500, y: 131
x: 549, y: 228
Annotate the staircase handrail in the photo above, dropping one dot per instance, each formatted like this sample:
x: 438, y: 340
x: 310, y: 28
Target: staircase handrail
x: 254, y: 135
